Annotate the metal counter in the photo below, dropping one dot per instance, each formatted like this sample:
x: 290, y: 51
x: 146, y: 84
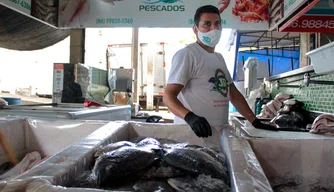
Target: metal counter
x: 71, y: 111
x: 247, y: 130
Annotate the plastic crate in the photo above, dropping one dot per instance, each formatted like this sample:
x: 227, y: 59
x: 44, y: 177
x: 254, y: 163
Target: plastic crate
x: 322, y: 58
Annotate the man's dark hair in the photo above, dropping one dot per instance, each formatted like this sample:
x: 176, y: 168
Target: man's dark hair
x: 205, y: 9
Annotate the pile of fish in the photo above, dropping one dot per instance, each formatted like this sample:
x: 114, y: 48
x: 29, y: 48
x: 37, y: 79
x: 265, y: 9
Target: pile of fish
x: 271, y: 108
x: 154, y: 164
x: 292, y: 115
x: 323, y: 124
x: 286, y: 112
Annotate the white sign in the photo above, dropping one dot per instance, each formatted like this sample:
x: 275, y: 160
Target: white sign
x: 159, y: 13
x: 23, y: 6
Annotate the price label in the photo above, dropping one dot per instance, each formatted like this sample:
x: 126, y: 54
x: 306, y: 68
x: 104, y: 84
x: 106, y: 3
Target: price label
x: 316, y: 24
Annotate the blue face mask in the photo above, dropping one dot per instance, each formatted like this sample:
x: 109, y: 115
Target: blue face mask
x: 210, y: 38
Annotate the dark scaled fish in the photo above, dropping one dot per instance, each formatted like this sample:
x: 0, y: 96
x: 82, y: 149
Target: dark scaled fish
x: 160, y: 170
x: 195, y: 162
x: 152, y: 186
x: 112, y: 147
x: 286, y: 120
x: 194, y: 146
x: 298, y: 115
x: 220, y: 157
x: 285, y: 110
x: 148, y: 141
x: 85, y: 180
x: 200, y: 183
x: 122, y: 162
x: 166, y: 141
x: 175, y: 145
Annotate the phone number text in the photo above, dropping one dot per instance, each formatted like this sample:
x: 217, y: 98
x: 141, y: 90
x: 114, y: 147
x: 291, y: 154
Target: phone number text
x: 313, y: 24
x: 114, y: 21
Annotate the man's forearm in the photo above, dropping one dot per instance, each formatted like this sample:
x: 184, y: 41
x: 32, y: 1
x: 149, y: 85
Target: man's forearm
x: 175, y: 106
x: 244, y: 110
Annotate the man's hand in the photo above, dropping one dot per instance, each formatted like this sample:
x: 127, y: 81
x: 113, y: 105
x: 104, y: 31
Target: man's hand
x: 198, y: 124
x: 259, y: 125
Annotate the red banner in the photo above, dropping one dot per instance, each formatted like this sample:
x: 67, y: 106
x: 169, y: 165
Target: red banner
x: 313, y: 24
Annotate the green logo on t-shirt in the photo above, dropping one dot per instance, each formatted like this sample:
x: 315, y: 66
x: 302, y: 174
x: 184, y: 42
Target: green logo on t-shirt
x: 221, y: 82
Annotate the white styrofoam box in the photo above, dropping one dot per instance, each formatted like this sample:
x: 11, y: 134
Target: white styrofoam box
x: 13, y: 130
x: 64, y: 167
x: 322, y: 58
x: 46, y: 137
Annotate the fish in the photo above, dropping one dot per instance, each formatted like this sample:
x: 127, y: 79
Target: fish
x: 122, y: 162
x: 85, y: 180
x: 152, y: 186
x: 193, y: 146
x: 285, y: 110
x: 297, y: 115
x: 175, y: 145
x: 112, y: 147
x: 200, y: 183
x: 286, y: 120
x: 220, y: 157
x: 161, y: 170
x: 194, y: 162
x: 166, y: 141
x: 148, y: 141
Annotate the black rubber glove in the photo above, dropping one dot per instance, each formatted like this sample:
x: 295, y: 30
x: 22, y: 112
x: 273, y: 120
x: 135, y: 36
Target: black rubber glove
x: 259, y: 125
x: 198, y: 124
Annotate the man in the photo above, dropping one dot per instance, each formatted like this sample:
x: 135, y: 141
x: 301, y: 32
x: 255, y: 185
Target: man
x: 72, y: 92
x: 200, y: 87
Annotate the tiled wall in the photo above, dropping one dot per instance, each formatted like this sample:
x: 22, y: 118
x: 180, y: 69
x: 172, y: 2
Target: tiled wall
x: 315, y: 97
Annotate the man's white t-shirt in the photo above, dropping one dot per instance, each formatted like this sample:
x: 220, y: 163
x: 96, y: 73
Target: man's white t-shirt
x: 206, y: 83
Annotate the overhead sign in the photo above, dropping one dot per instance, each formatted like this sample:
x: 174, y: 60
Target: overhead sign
x: 237, y: 14
x: 291, y: 6
x: 41, y: 10
x: 22, y: 6
x: 280, y: 10
x: 318, y: 19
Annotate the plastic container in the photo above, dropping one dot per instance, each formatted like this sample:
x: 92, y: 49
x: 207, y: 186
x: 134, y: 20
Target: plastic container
x: 322, y: 58
x: 12, y: 100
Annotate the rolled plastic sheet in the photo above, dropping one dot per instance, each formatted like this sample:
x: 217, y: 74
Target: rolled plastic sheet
x: 245, y: 170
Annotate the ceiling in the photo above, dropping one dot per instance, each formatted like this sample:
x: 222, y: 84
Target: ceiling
x: 261, y: 39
